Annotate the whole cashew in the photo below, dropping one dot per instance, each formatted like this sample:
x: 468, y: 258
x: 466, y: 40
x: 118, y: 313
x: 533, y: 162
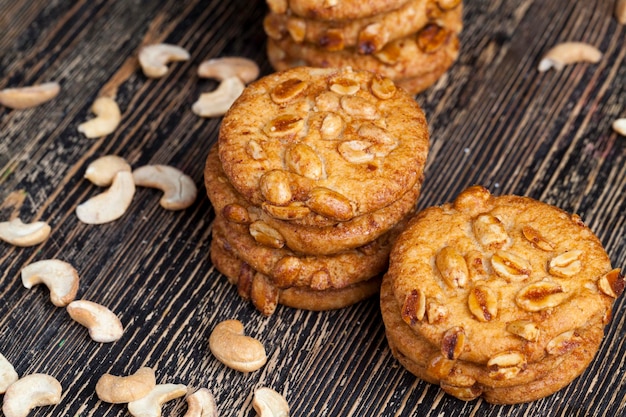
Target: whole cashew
x: 60, y: 277
x: 31, y: 391
x: 179, y: 190
x: 102, y: 170
x: 150, y: 405
x: 216, y: 103
x: 619, y: 126
x: 111, y: 204
x: 153, y: 58
x: 235, y: 350
x: 568, y: 53
x: 23, y: 234
x: 233, y: 66
x: 25, y: 97
x: 269, y: 403
x: 124, y: 389
x: 108, y: 117
x: 201, y: 404
x: 7, y: 374
x: 103, y: 325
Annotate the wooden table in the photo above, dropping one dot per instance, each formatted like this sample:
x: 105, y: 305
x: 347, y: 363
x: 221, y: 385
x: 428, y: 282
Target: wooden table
x: 494, y: 120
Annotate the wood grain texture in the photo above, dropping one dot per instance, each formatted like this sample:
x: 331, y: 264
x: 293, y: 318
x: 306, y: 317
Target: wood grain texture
x: 494, y: 121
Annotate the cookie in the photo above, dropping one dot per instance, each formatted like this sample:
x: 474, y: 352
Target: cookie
x: 335, y: 9
x: 259, y: 289
x: 366, y: 35
x: 276, y: 233
x: 339, y: 143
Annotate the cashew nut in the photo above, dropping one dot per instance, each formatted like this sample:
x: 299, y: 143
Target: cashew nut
x: 619, y: 126
x: 216, y: 103
x: 235, y: 350
x: 25, y: 97
x: 31, y: 391
x: 620, y: 11
x: 107, y: 118
x: 150, y: 405
x: 102, y: 170
x: 7, y: 374
x: 568, y: 53
x: 201, y: 404
x: 179, y: 190
x: 124, y: 389
x: 269, y: 403
x: 60, y: 277
x: 153, y: 58
x: 111, y: 204
x: 104, y: 326
x: 221, y: 68
x: 23, y: 234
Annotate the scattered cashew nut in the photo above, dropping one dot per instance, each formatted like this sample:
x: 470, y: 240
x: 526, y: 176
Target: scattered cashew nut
x: 235, y: 350
x: 221, y: 68
x: 104, y: 326
x: 108, y: 117
x: 216, y: 103
x: 179, y: 190
x: 7, y: 374
x: 150, y: 405
x: 568, y: 53
x: 269, y: 403
x: 201, y: 404
x: 153, y: 58
x: 620, y: 11
x: 23, y: 234
x: 619, y: 126
x: 124, y: 389
x: 34, y: 390
x: 25, y: 97
x: 60, y: 277
x: 111, y: 204
x: 102, y: 170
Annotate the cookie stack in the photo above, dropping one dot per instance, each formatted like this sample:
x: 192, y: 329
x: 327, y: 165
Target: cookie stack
x: 500, y: 297
x: 413, y: 42
x: 314, y: 174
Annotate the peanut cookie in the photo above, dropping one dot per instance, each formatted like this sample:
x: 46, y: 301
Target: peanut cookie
x: 366, y: 35
x: 265, y: 296
x: 335, y: 9
x: 339, y: 143
x: 272, y: 232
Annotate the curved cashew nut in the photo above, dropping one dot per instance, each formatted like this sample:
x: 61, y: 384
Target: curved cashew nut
x: 31, y: 391
x: 23, y: 234
x: 620, y: 11
x: 124, y: 389
x: 108, y: 117
x: 233, y: 66
x: 619, y: 126
x: 179, y: 190
x: 568, y: 53
x: 269, y: 403
x: 7, y: 374
x: 150, y: 405
x: 111, y: 204
x: 31, y: 96
x: 235, y: 350
x: 60, y: 277
x: 153, y: 58
x: 201, y: 404
x: 102, y: 170
x: 216, y: 103
x: 104, y: 326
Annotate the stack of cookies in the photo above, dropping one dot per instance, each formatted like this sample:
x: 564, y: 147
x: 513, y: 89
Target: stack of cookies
x: 314, y: 174
x: 500, y: 297
x: 413, y: 42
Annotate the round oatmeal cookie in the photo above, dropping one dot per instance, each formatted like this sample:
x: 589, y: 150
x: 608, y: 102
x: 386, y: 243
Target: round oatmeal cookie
x: 505, y: 274
x: 258, y: 288
x: 275, y: 233
x: 431, y: 50
x: 366, y: 35
x: 335, y: 9
x: 514, y: 383
x: 339, y: 143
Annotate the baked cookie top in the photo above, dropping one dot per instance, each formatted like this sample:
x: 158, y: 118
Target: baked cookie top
x: 501, y: 279
x: 335, y: 142
x: 335, y: 9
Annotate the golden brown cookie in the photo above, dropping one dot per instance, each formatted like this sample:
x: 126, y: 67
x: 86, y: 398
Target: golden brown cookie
x: 265, y: 296
x: 338, y: 143
x: 335, y: 9
x: 276, y: 233
x: 366, y: 35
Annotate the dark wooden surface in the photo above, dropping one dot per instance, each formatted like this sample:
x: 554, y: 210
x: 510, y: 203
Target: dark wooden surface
x: 494, y: 121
